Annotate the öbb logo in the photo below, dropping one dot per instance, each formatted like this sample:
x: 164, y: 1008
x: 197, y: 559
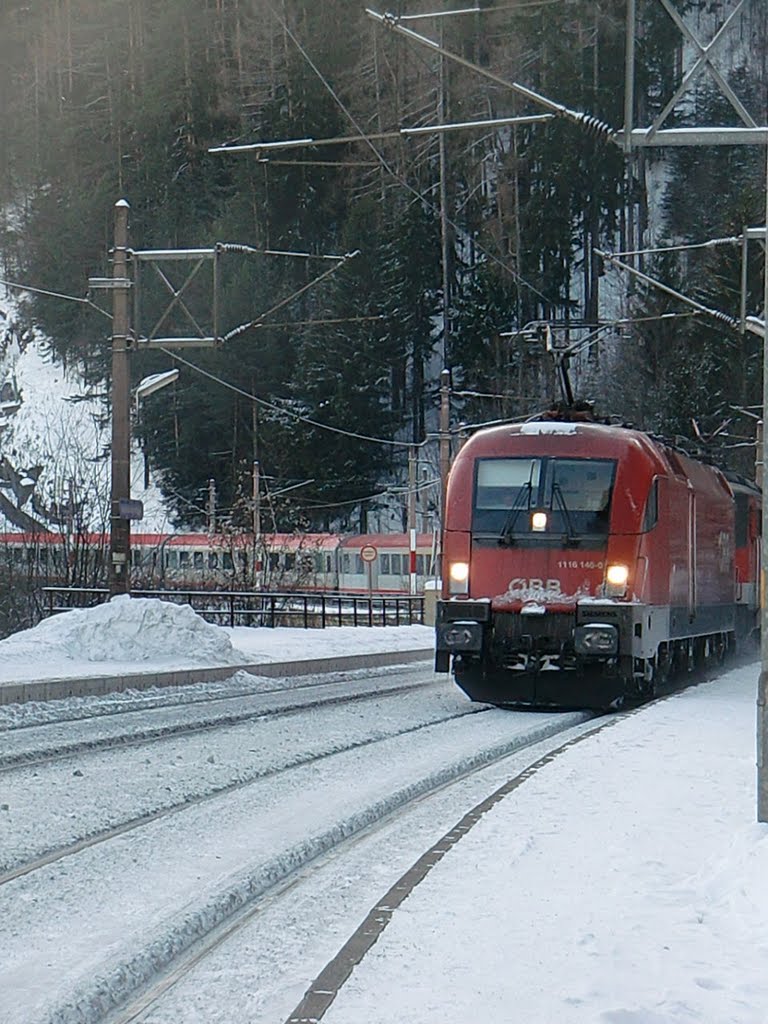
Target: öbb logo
x: 520, y: 585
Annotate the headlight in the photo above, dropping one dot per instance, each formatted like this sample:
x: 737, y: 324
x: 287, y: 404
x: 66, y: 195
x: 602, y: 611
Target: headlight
x: 458, y: 574
x: 539, y: 522
x: 617, y: 575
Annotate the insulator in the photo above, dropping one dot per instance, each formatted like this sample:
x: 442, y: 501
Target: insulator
x: 597, y: 129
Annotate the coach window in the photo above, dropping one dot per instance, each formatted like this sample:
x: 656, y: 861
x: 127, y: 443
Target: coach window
x: 384, y: 565
x: 183, y: 559
x: 198, y: 560
x: 359, y: 566
x: 213, y: 560
x: 651, y: 516
x: 228, y: 562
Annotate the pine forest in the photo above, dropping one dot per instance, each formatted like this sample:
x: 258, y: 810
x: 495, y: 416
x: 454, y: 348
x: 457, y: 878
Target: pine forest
x: 454, y: 223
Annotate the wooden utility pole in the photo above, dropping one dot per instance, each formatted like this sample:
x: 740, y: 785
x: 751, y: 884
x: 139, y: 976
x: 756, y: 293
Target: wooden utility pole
x: 120, y: 526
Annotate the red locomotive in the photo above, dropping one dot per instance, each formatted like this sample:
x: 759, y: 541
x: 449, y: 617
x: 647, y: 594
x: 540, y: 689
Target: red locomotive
x: 583, y: 563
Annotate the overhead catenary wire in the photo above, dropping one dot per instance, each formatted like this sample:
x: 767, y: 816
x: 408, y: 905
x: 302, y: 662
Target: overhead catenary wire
x: 429, y: 15
x: 56, y: 295
x: 278, y: 409
x: 233, y: 387
x: 593, y: 125
x: 257, y: 321
x: 680, y: 247
x: 316, y: 322
x: 364, y: 137
x: 390, y: 492
x: 716, y: 314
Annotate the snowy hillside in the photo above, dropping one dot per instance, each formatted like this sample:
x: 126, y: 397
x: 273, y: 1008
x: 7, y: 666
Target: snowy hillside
x: 55, y: 442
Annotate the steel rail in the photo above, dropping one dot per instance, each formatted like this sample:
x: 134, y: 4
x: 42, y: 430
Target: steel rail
x: 87, y: 842
x: 21, y: 760
x: 221, y: 931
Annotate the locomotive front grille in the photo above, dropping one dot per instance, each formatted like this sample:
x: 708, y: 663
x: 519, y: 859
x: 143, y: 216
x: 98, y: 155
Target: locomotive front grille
x: 529, y: 634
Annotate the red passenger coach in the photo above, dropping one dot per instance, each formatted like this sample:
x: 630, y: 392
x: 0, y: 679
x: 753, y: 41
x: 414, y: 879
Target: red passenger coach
x: 584, y: 562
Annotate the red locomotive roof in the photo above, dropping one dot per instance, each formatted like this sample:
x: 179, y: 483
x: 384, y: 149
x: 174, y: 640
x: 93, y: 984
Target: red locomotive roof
x: 544, y: 437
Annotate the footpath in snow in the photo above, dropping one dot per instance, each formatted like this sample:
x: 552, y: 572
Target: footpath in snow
x: 626, y: 882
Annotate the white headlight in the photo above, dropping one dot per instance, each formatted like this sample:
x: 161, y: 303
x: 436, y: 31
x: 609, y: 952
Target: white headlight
x: 539, y: 521
x: 459, y: 572
x: 617, y: 575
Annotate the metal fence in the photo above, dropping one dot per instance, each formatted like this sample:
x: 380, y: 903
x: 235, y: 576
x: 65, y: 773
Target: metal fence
x: 257, y: 608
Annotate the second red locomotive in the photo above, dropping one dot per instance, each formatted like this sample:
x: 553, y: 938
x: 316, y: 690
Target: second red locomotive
x: 582, y: 563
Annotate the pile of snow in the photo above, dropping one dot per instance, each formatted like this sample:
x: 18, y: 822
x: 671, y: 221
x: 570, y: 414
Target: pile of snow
x: 126, y: 629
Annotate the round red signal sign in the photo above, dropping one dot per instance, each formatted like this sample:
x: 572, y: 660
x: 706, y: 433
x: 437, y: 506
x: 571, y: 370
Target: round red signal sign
x: 368, y: 553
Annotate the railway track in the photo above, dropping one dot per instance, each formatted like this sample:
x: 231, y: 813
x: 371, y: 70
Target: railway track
x: 253, y: 832
x: 241, y: 684
x: 328, y: 982
x: 358, y: 795
x: 39, y: 743
x: 54, y: 855
x: 331, y: 978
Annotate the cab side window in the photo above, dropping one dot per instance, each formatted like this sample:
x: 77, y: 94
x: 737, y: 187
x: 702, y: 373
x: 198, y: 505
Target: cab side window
x: 651, y: 516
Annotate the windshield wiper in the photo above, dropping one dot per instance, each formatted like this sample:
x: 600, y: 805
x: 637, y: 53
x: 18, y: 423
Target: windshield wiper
x: 570, y: 536
x: 523, y: 500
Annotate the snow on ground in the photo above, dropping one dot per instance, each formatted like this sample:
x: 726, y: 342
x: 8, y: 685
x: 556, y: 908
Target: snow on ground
x: 130, y: 634
x: 625, y: 882
x: 124, y: 630
x: 298, y: 644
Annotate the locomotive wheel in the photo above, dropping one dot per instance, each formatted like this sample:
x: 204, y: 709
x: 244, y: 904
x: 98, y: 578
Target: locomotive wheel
x: 651, y: 678
x: 663, y: 661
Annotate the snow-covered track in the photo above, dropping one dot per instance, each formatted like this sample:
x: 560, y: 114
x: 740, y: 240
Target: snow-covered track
x: 33, y: 745
x: 51, y: 856
x: 326, y: 986
x: 254, y: 839
x: 548, y: 745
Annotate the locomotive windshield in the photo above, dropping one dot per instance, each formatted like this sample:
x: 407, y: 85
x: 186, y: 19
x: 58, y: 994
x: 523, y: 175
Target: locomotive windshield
x: 573, y: 494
